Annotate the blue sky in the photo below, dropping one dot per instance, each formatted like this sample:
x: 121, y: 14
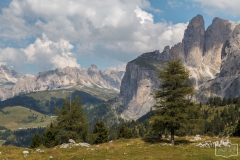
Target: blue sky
x: 41, y: 35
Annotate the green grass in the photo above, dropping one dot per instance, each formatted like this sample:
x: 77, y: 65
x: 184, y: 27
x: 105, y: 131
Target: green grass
x: 101, y: 93
x: 2, y: 142
x: 133, y: 149
x: 18, y: 118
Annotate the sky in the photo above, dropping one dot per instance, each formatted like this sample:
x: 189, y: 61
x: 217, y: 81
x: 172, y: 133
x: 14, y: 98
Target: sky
x: 40, y: 35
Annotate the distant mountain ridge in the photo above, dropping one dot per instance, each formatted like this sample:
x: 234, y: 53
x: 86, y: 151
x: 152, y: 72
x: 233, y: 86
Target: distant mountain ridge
x: 8, y: 76
x: 13, y: 83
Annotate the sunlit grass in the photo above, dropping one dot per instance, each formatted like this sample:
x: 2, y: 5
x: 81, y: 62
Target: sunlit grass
x: 18, y: 118
x: 123, y: 150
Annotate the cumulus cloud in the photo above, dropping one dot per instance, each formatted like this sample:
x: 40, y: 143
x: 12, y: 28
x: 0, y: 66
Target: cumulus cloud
x: 47, y: 54
x: 226, y: 7
x: 12, y: 56
x: 144, y: 16
x: 119, y: 29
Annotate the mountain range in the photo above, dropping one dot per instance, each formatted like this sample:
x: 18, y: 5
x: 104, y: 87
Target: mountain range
x: 13, y: 83
x: 211, y: 55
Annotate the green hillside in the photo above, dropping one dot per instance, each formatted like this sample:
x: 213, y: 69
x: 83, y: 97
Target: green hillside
x: 20, y: 117
x: 34, y: 109
x: 45, y: 101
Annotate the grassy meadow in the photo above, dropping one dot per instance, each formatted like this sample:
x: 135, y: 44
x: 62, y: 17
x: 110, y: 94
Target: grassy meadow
x: 20, y: 117
x: 122, y: 149
x: 100, y: 93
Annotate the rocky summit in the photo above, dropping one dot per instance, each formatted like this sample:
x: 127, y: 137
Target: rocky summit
x: 210, y: 55
x: 227, y: 82
x: 57, y: 79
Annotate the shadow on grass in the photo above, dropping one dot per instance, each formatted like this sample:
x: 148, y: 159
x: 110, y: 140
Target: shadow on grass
x: 176, y: 142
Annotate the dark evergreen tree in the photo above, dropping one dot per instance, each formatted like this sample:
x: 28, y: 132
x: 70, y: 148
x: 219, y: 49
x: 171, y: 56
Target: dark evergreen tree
x: 100, y: 133
x: 49, y: 136
x: 224, y: 102
x: 36, y: 141
x: 205, y: 114
x: 141, y: 131
x: 124, y: 132
x: 231, y: 109
x: 134, y: 132
x: 71, y: 122
x: 236, y: 133
x: 230, y: 101
x: 173, y: 99
x: 217, y: 101
x: 224, y: 113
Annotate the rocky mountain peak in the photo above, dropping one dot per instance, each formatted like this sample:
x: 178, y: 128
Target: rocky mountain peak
x: 8, y: 75
x: 56, y: 79
x: 215, y: 36
x: 231, y: 55
x: 197, y: 22
x: 92, y: 70
x: 111, y: 70
x: 93, y: 66
x: 166, y: 49
x: 193, y: 41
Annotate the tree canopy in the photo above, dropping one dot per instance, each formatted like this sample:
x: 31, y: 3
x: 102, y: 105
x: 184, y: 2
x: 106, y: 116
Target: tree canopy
x: 174, y: 104
x: 71, y: 121
x: 36, y: 141
x: 100, y: 133
x: 71, y: 124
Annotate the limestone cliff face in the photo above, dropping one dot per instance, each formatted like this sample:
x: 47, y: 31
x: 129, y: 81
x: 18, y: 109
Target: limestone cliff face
x: 61, y: 78
x: 227, y: 83
x: 231, y: 55
x: 193, y: 41
x: 200, y: 52
x: 214, y: 39
x: 113, y: 77
x: 136, y: 91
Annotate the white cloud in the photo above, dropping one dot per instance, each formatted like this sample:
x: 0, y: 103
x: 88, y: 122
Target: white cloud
x: 12, y: 56
x: 175, y: 4
x: 144, y: 16
x: 227, y: 7
x: 47, y: 54
x: 121, y: 67
x: 119, y: 29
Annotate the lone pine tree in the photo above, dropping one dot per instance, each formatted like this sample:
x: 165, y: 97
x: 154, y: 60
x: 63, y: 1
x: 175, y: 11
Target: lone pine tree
x: 173, y: 100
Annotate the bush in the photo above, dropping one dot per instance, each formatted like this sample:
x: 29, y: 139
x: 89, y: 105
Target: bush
x: 124, y: 132
x: 100, y: 133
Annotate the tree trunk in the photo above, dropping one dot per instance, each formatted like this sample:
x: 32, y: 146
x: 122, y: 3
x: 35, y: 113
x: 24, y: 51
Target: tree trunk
x: 172, y: 136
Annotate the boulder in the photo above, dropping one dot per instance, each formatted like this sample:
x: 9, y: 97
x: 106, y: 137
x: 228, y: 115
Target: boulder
x: 71, y: 141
